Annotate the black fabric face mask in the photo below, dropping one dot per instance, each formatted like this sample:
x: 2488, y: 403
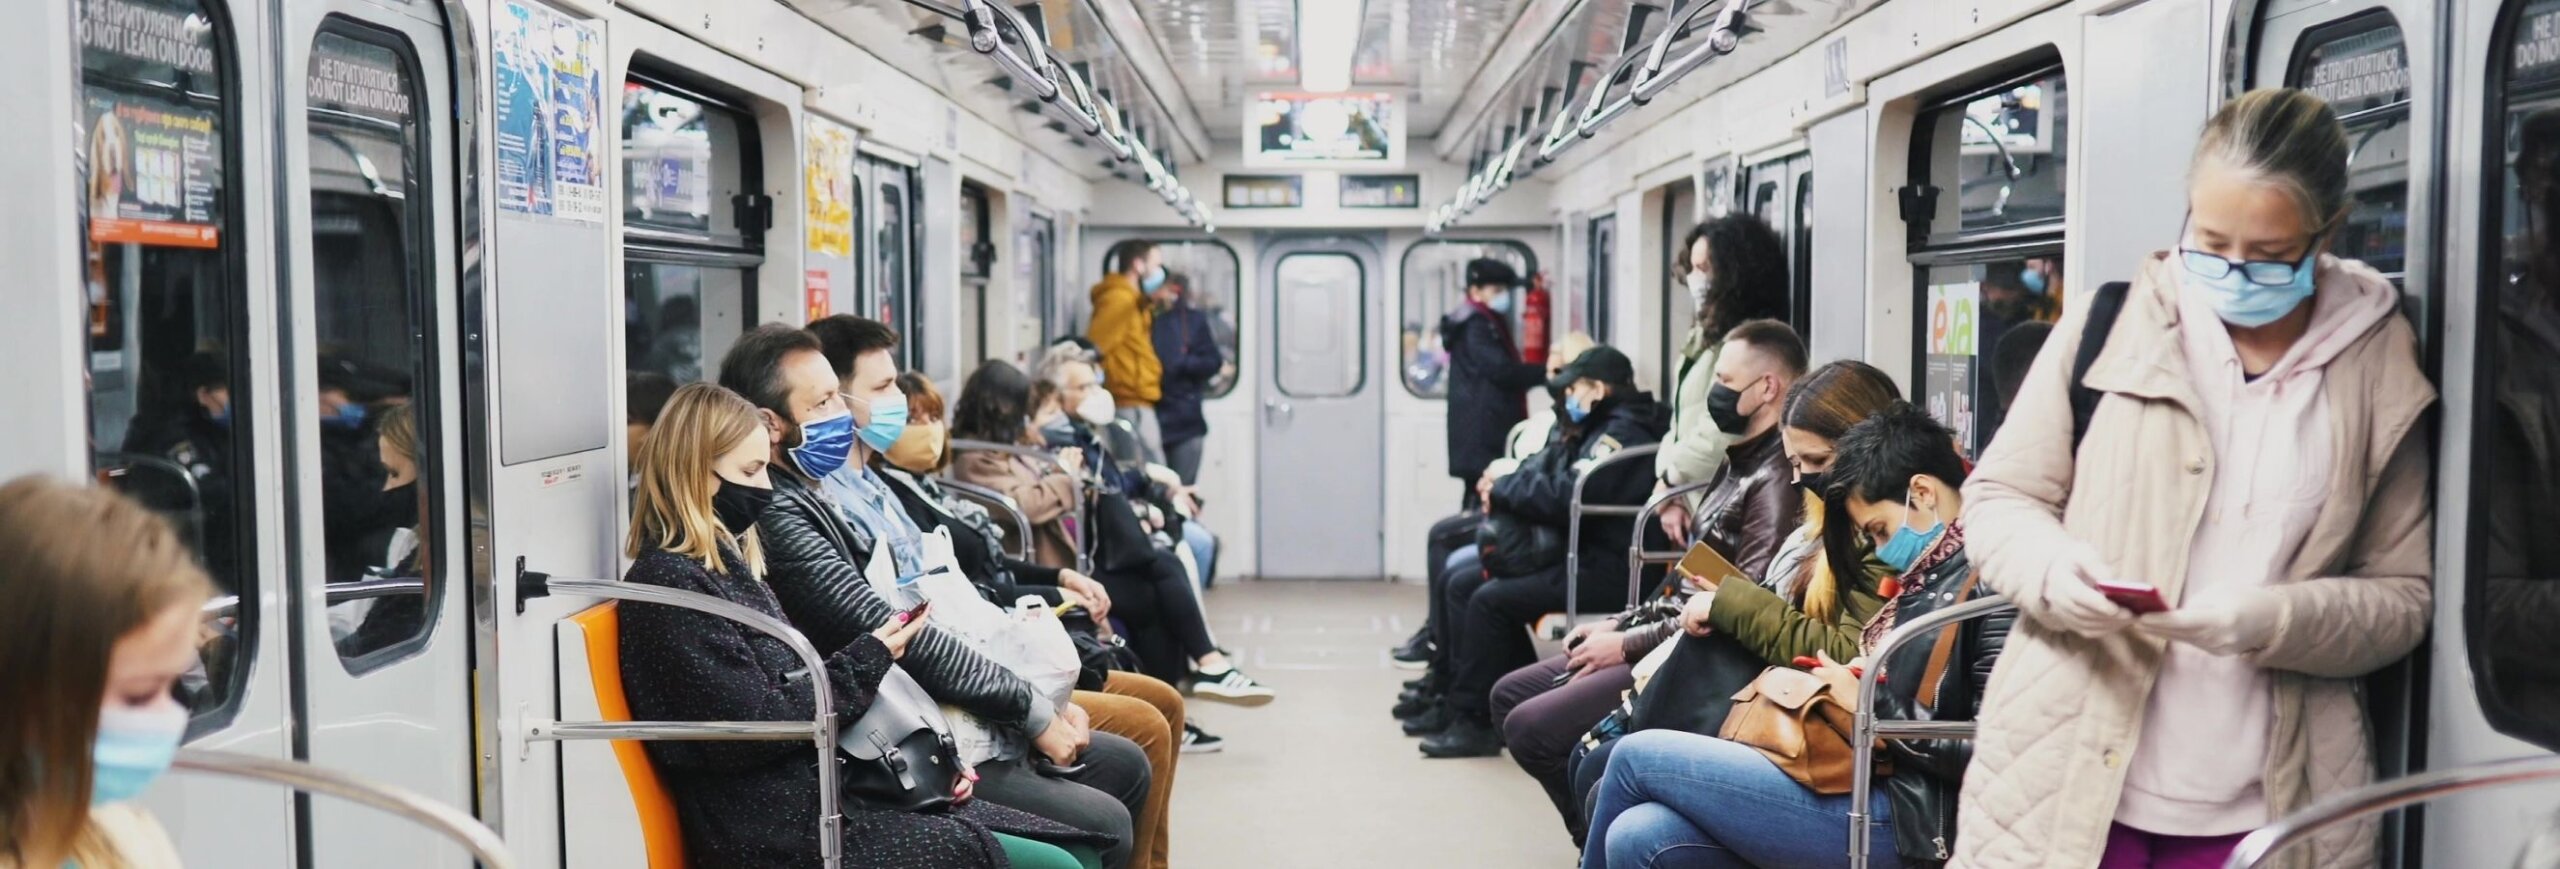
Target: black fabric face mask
x: 737, y: 506
x: 1724, y: 407
x: 1813, y: 483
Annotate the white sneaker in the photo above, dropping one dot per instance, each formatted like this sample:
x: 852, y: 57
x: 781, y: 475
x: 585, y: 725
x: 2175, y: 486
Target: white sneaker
x: 1231, y: 686
x: 1198, y: 741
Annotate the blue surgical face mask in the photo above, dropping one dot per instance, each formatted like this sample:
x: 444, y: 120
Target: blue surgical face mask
x: 824, y: 445
x: 350, y: 416
x: 1153, y: 281
x: 220, y: 418
x: 888, y: 421
x: 1908, y: 544
x: 134, y: 746
x: 2033, y: 280
x: 1500, y: 303
x: 2245, y: 303
x: 1575, y: 409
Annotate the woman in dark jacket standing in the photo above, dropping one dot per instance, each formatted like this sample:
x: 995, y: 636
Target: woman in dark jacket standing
x: 755, y: 803
x: 1486, y: 375
x: 1189, y: 353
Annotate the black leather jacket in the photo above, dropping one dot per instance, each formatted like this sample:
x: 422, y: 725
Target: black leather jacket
x: 813, y: 561
x: 1541, y: 490
x: 1927, y: 772
x: 1753, y: 505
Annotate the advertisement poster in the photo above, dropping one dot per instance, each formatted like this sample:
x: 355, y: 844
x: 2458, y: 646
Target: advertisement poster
x: 155, y: 172
x: 821, y: 302
x: 1948, y: 389
x: 549, y: 92
x: 830, y: 175
x: 1953, y: 339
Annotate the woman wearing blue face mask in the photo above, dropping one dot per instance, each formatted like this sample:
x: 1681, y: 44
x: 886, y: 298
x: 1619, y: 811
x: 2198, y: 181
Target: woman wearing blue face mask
x: 2254, y: 454
x: 98, y: 614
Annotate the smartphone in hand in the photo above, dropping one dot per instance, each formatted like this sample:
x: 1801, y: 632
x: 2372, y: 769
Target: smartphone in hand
x: 2140, y: 597
x: 914, y: 615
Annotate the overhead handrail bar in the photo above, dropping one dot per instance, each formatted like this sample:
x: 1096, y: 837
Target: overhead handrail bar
x: 1866, y: 729
x: 444, y: 820
x: 2384, y: 796
x: 1658, y: 72
x: 1573, y: 524
x: 819, y: 730
x: 986, y: 38
x: 1045, y: 459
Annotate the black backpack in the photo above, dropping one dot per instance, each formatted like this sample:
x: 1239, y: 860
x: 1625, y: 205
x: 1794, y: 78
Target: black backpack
x: 2103, y: 309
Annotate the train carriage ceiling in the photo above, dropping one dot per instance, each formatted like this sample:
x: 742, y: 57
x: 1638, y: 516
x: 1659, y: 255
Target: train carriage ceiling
x: 1476, y: 75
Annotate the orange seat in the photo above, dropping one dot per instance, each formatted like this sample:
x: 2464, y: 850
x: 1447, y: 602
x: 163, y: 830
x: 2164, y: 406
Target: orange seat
x: 602, y: 624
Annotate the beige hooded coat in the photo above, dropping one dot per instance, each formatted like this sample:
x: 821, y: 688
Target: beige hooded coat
x: 2063, y: 713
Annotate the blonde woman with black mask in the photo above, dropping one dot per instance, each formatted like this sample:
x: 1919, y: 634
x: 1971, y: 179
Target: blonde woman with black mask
x: 98, y: 611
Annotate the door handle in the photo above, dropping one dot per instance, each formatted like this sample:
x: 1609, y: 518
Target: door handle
x: 1275, y: 411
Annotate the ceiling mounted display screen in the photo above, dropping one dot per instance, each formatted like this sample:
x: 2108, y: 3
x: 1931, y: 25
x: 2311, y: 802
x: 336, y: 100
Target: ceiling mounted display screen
x: 1329, y: 130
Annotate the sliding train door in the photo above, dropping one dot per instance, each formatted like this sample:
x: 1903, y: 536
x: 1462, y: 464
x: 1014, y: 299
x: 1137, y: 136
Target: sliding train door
x: 381, y: 638
x: 1321, y: 454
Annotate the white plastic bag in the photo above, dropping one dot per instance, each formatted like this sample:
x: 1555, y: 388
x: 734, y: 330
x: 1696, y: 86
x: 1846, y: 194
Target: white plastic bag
x: 1029, y: 648
x: 1041, y: 650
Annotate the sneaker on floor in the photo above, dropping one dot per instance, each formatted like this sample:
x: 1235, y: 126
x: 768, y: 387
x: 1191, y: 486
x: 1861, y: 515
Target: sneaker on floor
x: 1231, y: 686
x: 1198, y: 741
x: 1467, y: 736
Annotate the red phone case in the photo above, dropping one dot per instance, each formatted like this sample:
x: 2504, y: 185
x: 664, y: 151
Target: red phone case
x: 2138, y: 598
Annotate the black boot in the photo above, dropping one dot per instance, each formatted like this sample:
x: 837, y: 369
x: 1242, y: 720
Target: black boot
x: 1467, y: 736
x: 1430, y: 721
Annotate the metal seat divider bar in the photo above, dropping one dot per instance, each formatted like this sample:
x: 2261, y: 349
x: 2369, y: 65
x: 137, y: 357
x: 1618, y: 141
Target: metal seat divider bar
x: 1637, y: 555
x: 1867, y: 729
x: 2344, y: 806
x: 1043, y: 458
x: 448, y: 821
x: 1573, y: 524
x: 336, y: 593
x: 1012, y: 508
x: 820, y: 730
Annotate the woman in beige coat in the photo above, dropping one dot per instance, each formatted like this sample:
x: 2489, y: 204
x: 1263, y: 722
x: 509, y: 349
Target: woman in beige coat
x: 2254, y: 455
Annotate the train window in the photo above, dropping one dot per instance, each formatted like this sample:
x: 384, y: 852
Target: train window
x: 1679, y: 209
x: 1995, y: 158
x: 2514, y: 592
x: 1603, y: 277
x: 1435, y: 284
x: 2361, y: 67
x: 1317, y: 294
x: 165, y: 292
x: 687, y: 274
x: 1985, y: 207
x: 376, y: 430
x: 1800, y: 258
x: 1035, y: 267
x: 1207, y: 272
x: 893, y: 250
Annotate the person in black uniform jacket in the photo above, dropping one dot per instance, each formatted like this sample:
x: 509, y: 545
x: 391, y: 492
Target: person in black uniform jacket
x: 1604, y: 413
x: 755, y: 803
x: 1486, y: 376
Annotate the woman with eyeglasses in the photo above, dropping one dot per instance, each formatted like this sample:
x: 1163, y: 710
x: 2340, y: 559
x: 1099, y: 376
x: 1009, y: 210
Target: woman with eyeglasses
x: 2235, y: 532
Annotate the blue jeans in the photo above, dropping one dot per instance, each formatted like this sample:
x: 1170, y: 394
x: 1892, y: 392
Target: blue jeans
x: 1204, y: 551
x: 1673, y: 799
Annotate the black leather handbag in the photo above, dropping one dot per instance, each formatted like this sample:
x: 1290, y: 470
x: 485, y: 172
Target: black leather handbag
x: 899, y: 755
x: 1099, y: 654
x: 1120, y: 541
x: 1511, y: 546
x: 1693, y: 691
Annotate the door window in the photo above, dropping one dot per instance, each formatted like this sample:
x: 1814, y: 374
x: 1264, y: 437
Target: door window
x: 1321, y: 301
x: 2514, y: 592
x: 376, y: 436
x: 1435, y: 284
x: 1985, y: 206
x: 1207, y: 271
x: 2361, y: 67
x: 1604, y: 277
x: 168, y: 353
x: 1679, y: 218
x: 686, y: 158
x: 892, y: 259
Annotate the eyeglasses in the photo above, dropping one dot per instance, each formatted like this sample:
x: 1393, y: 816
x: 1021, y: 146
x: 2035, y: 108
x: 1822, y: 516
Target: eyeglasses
x: 2268, y: 273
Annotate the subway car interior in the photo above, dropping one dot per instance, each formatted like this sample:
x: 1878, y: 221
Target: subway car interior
x: 1382, y: 353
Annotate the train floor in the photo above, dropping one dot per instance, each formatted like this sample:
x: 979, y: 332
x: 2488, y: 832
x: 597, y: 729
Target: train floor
x: 1322, y: 777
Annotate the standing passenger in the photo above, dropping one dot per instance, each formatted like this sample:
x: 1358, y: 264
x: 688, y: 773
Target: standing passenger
x: 1189, y: 352
x: 1486, y: 376
x: 1736, y: 271
x: 2255, y: 453
x: 98, y: 612
x: 1123, y: 331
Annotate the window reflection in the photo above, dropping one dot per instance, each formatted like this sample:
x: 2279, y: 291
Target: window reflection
x: 2513, y: 601
x: 2361, y: 67
x: 1999, y: 158
x: 1983, y: 323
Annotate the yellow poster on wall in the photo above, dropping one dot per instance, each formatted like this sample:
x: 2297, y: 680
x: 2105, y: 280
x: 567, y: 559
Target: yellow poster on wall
x: 830, y: 194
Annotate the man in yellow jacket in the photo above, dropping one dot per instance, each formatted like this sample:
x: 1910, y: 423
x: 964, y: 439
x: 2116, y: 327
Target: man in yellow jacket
x: 1123, y: 331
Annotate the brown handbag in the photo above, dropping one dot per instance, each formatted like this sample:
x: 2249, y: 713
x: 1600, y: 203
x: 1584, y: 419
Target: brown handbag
x: 1801, y: 722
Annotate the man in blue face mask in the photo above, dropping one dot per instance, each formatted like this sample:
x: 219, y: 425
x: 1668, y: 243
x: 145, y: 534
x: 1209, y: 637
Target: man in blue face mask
x: 1123, y: 331
x: 1486, y: 374
x: 830, y: 515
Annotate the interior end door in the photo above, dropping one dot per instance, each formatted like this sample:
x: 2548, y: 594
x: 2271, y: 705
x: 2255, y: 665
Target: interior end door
x: 1321, y: 453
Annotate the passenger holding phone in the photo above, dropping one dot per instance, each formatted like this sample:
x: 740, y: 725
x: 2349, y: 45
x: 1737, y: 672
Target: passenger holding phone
x: 2255, y: 453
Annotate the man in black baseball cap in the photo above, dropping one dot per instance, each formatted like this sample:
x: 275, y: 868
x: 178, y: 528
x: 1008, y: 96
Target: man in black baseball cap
x: 1604, y: 365
x: 1486, y: 375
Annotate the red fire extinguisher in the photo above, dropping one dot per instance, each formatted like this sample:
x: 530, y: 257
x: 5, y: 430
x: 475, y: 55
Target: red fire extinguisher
x: 1533, y: 320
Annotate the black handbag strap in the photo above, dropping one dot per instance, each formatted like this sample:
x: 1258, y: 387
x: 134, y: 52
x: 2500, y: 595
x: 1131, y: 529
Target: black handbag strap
x: 2103, y: 308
